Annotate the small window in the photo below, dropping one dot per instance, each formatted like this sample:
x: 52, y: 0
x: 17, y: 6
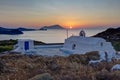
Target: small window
x: 106, y: 56
x: 73, y: 46
x: 101, y: 44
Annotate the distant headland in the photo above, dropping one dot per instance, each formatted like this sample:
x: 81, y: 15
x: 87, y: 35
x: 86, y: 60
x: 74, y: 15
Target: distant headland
x: 52, y: 27
x: 20, y: 30
x: 10, y: 31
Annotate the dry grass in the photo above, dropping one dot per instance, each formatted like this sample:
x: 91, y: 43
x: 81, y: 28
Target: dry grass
x: 74, y: 67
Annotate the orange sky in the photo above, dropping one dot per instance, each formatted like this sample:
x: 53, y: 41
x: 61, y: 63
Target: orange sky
x: 75, y: 13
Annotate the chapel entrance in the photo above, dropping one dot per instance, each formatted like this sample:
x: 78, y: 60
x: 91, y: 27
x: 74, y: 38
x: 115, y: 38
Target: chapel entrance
x: 73, y: 46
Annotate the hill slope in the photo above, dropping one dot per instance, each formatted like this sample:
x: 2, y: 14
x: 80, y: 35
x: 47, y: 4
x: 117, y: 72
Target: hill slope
x: 111, y: 34
x: 52, y: 27
x: 10, y: 31
x: 74, y: 67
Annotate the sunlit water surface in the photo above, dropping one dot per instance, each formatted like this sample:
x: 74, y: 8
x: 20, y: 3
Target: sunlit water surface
x: 50, y: 36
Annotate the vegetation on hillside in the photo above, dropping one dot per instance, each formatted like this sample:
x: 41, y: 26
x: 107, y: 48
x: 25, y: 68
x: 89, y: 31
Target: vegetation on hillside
x: 7, y: 45
x: 6, y: 48
x: 73, y: 67
x: 116, y: 45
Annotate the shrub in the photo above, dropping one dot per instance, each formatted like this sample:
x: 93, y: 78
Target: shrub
x: 94, y: 55
x: 6, y: 48
x: 116, y: 45
x: 73, y: 67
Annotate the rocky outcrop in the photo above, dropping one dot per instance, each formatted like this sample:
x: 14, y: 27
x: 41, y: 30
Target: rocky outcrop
x: 111, y: 34
x: 116, y: 67
x: 45, y: 76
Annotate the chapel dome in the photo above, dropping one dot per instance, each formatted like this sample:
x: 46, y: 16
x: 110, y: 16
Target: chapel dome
x: 82, y: 33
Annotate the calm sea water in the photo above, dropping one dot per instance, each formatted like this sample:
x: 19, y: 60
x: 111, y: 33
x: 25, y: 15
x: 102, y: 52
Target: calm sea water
x: 50, y: 36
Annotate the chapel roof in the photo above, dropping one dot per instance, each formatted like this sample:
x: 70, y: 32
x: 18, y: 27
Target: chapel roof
x: 88, y: 40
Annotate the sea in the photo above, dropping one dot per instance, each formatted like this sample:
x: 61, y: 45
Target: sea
x: 52, y: 35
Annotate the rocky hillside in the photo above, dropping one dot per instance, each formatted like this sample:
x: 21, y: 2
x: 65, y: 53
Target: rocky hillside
x: 111, y: 34
x: 74, y: 67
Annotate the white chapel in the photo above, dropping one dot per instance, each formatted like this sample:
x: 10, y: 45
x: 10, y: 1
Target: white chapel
x: 82, y: 44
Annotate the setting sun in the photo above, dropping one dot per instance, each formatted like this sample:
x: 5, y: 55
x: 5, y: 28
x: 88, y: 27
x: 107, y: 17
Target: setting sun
x: 77, y: 13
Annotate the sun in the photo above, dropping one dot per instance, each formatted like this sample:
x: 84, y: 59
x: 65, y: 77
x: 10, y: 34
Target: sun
x: 70, y: 27
x: 70, y: 24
